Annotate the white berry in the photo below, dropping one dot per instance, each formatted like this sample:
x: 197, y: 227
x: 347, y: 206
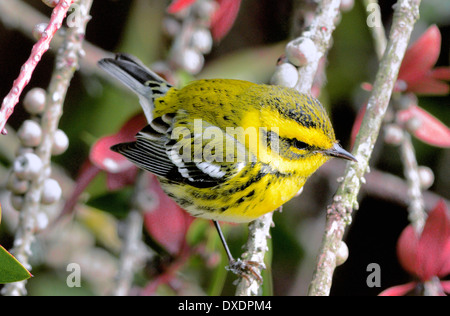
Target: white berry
x: 285, y: 75
x: 41, y: 221
x: 16, y: 185
x: 426, y: 176
x: 60, y: 142
x: 51, y: 191
x: 35, y: 100
x: 30, y: 133
x: 202, y: 40
x: 27, y: 166
x: 393, y: 134
x: 301, y: 52
x: 191, y: 60
x: 341, y: 254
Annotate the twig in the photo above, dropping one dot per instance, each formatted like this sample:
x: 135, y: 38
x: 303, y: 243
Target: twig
x: 416, y: 210
x: 416, y: 203
x: 319, y: 33
x: 382, y: 185
x: 12, y: 98
x: 417, y: 215
x: 376, y: 26
x: 345, y: 200
x: 416, y: 206
x: 132, y: 252
x: 65, y: 66
x: 18, y: 15
x: 416, y: 198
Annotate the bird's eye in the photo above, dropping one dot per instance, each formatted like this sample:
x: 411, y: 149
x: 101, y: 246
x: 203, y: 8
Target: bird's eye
x: 299, y: 144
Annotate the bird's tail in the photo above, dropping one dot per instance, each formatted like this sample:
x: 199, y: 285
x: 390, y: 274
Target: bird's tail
x: 141, y: 80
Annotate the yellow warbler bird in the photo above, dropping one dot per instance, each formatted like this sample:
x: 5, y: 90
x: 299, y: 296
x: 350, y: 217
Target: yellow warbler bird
x: 226, y: 150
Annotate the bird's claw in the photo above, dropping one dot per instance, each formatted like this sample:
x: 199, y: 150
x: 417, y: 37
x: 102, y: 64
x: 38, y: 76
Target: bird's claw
x: 246, y: 269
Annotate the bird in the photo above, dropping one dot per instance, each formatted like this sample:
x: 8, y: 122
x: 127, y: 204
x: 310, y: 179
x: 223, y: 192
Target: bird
x: 224, y: 149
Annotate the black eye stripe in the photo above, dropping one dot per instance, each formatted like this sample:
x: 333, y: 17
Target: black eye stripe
x: 299, y: 144
x: 288, y: 142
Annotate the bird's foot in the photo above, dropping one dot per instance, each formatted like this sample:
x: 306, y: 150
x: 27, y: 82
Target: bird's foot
x: 246, y: 269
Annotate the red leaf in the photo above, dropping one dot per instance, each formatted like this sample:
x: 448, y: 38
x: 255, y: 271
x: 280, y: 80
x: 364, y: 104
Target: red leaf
x: 416, y: 69
x: 107, y: 160
x: 116, y: 181
x: 431, y: 130
x: 223, y: 19
x: 407, y: 250
x: 421, y: 56
x: 110, y: 161
x: 445, y: 268
x: 433, y: 247
x: 165, y: 221
x: 429, y: 86
x: 428, y: 255
x: 178, y: 5
x: 442, y: 73
x: 446, y: 286
x: 399, y: 290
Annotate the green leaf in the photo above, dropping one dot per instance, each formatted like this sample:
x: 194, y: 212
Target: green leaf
x: 11, y: 270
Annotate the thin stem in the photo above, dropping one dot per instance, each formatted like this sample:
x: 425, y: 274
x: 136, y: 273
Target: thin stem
x: 345, y: 200
x: 320, y: 30
x: 416, y: 209
x: 376, y: 26
x: 417, y: 214
x: 12, y: 98
x: 416, y: 203
x: 383, y: 185
x: 16, y: 14
x: 129, y: 254
x: 133, y: 251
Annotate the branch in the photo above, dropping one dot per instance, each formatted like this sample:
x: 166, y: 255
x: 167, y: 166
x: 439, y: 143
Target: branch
x: 38, y: 50
x: 314, y: 43
x: 255, y: 250
x: 381, y: 185
x: 65, y: 66
x: 345, y: 199
x: 416, y: 209
x: 376, y: 26
x: 16, y: 14
x: 132, y: 252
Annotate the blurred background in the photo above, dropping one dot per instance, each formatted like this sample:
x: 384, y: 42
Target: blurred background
x: 96, y: 107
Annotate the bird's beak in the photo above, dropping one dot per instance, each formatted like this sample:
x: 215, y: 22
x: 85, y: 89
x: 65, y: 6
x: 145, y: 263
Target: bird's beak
x: 339, y: 152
